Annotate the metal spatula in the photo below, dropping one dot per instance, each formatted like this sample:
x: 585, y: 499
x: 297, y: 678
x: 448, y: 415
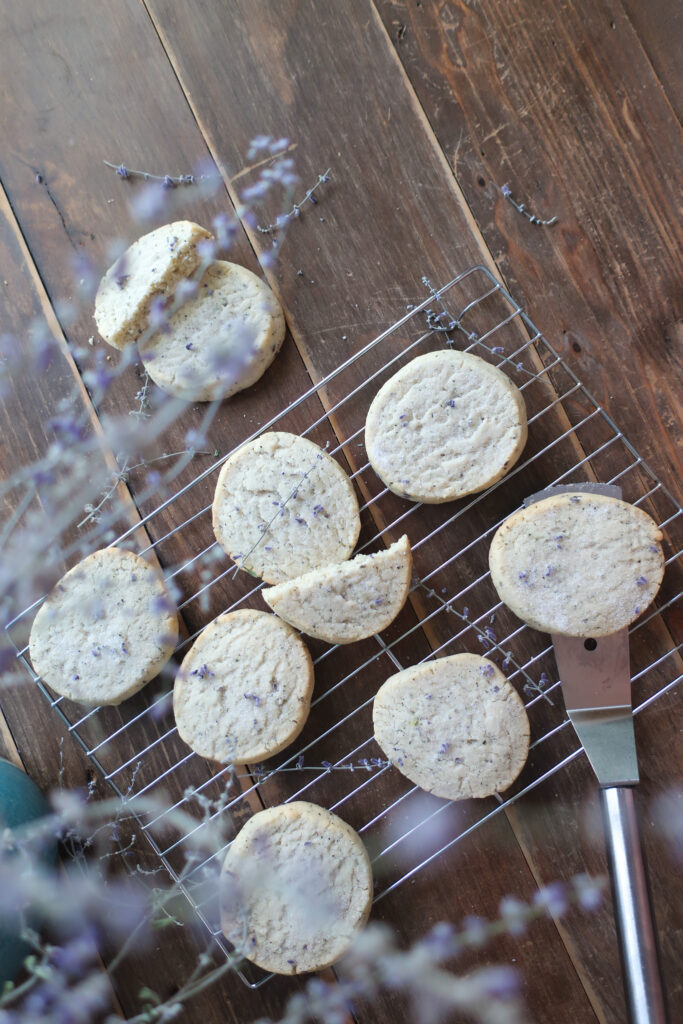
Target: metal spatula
x: 596, y: 685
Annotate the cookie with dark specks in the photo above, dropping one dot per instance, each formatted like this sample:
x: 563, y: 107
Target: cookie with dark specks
x: 577, y: 564
x: 454, y: 726
x: 295, y: 889
x: 152, y: 266
x: 106, y: 629
x: 446, y: 425
x: 283, y: 507
x: 347, y: 601
x: 219, y: 342
x: 243, y: 691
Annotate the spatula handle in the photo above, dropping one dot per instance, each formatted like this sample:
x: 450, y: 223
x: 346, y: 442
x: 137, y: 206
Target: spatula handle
x: 635, y: 924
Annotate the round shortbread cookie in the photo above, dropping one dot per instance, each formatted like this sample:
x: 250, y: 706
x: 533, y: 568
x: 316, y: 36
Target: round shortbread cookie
x: 283, y: 507
x: 106, y: 629
x: 455, y: 726
x: 149, y: 267
x: 348, y: 601
x: 220, y: 342
x: 577, y: 564
x: 296, y: 888
x: 446, y: 425
x: 244, y: 688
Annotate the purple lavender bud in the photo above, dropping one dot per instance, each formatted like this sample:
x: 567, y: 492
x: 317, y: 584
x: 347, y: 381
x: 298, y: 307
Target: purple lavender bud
x: 300, y: 761
x: 168, y: 181
x: 326, y: 764
x: 39, y: 179
x: 552, y: 898
x: 122, y: 171
x: 514, y: 914
x: 189, y: 347
x: 589, y: 891
x: 312, y: 199
x: 444, y: 748
x: 497, y: 349
x: 500, y: 982
x: 255, y: 192
x: 641, y: 581
x: 506, y: 191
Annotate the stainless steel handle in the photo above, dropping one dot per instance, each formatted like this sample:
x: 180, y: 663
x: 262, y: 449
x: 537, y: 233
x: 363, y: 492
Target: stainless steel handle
x: 635, y: 925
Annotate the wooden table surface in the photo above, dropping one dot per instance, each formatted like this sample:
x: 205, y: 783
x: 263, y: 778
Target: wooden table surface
x: 422, y: 109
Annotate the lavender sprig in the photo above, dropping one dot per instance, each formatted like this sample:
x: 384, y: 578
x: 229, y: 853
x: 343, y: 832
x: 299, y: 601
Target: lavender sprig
x: 168, y: 180
x: 521, y: 208
x: 295, y: 211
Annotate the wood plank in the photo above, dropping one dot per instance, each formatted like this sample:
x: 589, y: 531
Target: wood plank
x: 659, y: 26
x: 524, y: 94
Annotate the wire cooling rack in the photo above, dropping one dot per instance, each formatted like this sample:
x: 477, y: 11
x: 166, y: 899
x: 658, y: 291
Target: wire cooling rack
x: 452, y: 607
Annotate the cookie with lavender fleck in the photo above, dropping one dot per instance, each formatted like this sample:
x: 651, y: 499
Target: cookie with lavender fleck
x: 446, y: 425
x: 243, y: 691
x: 219, y: 342
x: 106, y: 629
x: 577, y: 564
x: 284, y: 507
x: 455, y: 726
x: 347, y: 601
x: 296, y: 888
x: 149, y: 268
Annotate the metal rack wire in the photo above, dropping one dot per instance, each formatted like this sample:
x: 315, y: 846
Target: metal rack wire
x: 452, y: 607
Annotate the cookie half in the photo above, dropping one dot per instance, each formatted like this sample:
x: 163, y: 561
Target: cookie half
x: 577, y: 564
x: 446, y: 425
x: 106, y: 629
x: 243, y: 691
x: 455, y: 726
x: 283, y: 507
x: 348, y: 601
x: 149, y: 267
x: 220, y: 342
x: 296, y: 888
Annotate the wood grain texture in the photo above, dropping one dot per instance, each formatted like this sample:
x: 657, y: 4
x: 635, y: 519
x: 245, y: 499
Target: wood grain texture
x: 566, y: 111
x: 659, y: 25
x: 392, y: 213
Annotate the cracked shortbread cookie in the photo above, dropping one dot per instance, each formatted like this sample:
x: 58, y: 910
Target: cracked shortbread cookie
x: 243, y: 691
x: 150, y: 267
x: 454, y: 726
x: 283, y: 507
x: 577, y: 564
x: 446, y: 425
x: 347, y: 601
x: 106, y: 629
x: 220, y: 342
x: 296, y: 888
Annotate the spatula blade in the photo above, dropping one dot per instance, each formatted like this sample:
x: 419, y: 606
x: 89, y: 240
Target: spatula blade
x: 596, y: 686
